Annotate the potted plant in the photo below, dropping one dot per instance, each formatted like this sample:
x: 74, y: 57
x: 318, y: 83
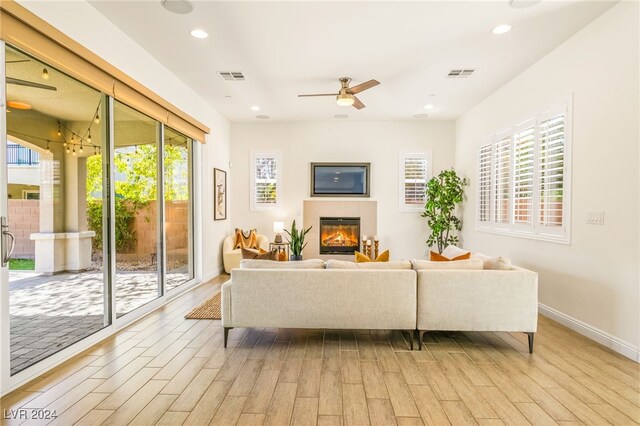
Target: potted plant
x: 296, y: 241
x: 444, y: 192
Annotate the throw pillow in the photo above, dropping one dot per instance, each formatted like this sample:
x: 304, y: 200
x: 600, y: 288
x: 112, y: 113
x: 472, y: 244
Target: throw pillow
x: 259, y: 254
x: 246, y: 241
x: 497, y: 262
x: 342, y: 264
x: 452, y: 251
x: 420, y: 265
x: 268, y: 264
x: 437, y: 257
x: 382, y: 257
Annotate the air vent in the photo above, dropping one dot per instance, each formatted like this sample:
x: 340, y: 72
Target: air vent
x: 231, y: 75
x: 461, y: 73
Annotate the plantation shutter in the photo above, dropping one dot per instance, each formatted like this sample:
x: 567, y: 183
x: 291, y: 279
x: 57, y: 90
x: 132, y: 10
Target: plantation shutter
x: 484, y: 184
x: 266, y: 185
x: 523, y: 169
x: 414, y: 179
x: 551, y: 158
x: 501, y: 181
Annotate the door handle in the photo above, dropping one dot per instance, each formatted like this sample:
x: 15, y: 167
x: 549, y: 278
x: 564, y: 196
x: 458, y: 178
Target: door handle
x: 12, y: 246
x: 6, y: 254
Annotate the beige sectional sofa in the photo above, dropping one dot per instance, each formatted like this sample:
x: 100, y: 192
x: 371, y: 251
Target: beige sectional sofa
x: 477, y: 300
x: 315, y: 297
x: 396, y: 296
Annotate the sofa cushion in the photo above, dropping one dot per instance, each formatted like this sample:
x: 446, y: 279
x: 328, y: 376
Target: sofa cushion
x: 343, y: 264
x: 246, y: 241
x: 452, y: 252
x: 419, y: 265
x: 495, y: 262
x: 259, y: 254
x: 273, y: 264
x: 382, y: 257
x: 437, y: 257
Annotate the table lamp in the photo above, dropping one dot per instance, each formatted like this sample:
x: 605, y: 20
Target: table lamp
x: 278, y: 228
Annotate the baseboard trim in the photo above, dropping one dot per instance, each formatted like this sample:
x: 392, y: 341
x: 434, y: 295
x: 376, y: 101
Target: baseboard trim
x: 620, y: 346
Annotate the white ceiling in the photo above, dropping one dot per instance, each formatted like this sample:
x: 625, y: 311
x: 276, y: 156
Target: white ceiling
x: 289, y: 48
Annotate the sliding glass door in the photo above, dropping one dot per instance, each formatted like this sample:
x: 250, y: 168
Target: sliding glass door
x: 53, y: 210
x: 178, y: 212
x: 96, y: 208
x: 137, y: 214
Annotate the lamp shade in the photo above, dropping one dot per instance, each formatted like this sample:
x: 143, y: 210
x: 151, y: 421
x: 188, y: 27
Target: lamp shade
x: 278, y: 227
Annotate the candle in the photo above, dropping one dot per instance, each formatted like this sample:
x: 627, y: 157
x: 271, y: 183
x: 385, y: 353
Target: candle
x: 375, y: 238
x: 368, y: 242
x: 364, y: 238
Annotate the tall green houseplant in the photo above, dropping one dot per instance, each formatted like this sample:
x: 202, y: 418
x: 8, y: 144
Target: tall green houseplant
x: 296, y: 240
x: 444, y: 192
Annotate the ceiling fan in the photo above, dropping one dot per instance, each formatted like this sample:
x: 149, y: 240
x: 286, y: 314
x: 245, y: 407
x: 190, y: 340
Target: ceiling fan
x: 347, y: 95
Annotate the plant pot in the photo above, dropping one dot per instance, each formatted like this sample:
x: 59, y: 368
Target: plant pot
x: 294, y: 257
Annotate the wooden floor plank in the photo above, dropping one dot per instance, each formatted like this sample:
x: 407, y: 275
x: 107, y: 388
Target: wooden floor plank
x: 167, y: 370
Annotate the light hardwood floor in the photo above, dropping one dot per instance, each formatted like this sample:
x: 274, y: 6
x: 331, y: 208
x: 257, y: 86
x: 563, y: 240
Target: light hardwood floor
x: 170, y: 371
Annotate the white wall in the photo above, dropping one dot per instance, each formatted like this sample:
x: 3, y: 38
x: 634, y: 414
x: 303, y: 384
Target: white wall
x: 343, y: 141
x: 595, y: 279
x: 82, y: 22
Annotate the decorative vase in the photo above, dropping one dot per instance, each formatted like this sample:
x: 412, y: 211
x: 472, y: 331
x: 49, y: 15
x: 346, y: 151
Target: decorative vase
x: 294, y: 257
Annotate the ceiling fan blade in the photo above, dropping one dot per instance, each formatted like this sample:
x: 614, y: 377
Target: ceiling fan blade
x: 18, y: 60
x: 357, y: 103
x: 11, y: 80
x: 319, y: 94
x: 363, y: 86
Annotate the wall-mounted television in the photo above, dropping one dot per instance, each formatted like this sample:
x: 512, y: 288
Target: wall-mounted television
x: 340, y: 179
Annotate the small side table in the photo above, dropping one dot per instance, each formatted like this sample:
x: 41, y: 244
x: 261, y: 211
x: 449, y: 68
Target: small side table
x: 281, y: 247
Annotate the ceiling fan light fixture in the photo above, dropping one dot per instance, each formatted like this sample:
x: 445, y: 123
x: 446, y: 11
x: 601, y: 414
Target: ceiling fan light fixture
x: 45, y: 74
x: 345, y: 99
x: 18, y: 105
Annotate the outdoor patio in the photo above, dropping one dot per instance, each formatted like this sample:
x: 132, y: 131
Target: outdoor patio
x: 48, y: 313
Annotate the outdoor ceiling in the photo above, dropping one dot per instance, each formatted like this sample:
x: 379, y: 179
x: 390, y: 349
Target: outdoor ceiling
x: 290, y: 48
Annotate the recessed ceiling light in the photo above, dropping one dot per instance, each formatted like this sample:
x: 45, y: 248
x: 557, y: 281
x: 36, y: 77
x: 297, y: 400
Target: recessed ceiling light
x: 198, y: 33
x: 181, y: 7
x: 432, y: 94
x: 429, y: 106
x: 255, y: 108
x: 228, y: 97
x: 18, y: 105
x: 501, y: 29
x: 341, y: 116
x: 262, y: 117
x: 420, y: 115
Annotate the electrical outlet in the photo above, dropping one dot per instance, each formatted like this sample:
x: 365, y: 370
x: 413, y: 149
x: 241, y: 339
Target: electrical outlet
x: 595, y: 217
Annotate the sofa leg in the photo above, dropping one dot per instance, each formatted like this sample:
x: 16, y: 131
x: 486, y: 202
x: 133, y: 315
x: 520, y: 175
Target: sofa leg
x: 530, y: 336
x: 410, y: 332
x: 420, y: 338
x: 226, y: 335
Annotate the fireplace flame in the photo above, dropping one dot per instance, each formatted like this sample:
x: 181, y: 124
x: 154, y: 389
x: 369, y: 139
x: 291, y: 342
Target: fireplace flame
x: 339, y: 237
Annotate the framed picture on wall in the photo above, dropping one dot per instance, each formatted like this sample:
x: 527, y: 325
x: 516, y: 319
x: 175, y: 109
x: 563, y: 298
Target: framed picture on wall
x: 219, y: 194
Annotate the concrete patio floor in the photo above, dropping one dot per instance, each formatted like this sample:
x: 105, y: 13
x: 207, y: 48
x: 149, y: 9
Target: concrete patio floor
x: 49, y: 313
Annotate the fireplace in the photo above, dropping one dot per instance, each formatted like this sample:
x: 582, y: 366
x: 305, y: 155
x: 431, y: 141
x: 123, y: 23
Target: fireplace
x: 339, y: 235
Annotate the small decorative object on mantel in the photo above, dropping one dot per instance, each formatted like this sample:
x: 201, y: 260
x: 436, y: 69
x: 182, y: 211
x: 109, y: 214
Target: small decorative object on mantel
x: 296, y: 240
x: 219, y: 194
x: 278, y: 228
x: 370, y: 247
x: 444, y: 193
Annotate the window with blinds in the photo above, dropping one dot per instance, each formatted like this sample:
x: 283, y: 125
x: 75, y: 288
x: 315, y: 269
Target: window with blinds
x: 264, y: 180
x: 551, y: 171
x: 484, y: 183
x: 524, y: 179
x: 414, y: 175
x: 523, y: 156
x: 502, y: 179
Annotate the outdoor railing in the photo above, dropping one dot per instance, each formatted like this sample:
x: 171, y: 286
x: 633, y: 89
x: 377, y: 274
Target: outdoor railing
x: 17, y: 154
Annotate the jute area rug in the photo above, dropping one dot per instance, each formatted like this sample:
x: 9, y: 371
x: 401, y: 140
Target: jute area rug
x: 209, y: 309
